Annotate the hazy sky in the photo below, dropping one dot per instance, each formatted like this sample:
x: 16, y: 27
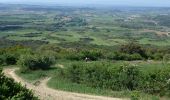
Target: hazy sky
x: 105, y: 2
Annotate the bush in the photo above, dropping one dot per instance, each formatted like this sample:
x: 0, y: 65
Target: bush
x: 92, y: 54
x: 36, y: 61
x: 125, y: 77
x: 10, y: 55
x: 135, y: 95
x: 127, y: 57
x: 133, y: 48
x: 101, y: 75
x: 129, y: 76
x: 156, y: 81
x: 8, y: 59
x: 136, y: 56
x: 87, y: 74
x: 74, y: 56
x: 166, y: 59
x: 158, y: 56
x: 1, y: 60
x: 9, y: 90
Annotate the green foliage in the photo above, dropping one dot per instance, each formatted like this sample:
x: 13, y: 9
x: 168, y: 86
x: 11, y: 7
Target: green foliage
x: 102, y: 75
x: 76, y: 54
x: 157, y: 81
x: 133, y: 48
x: 36, y: 61
x: 166, y: 59
x: 129, y: 76
x: 129, y: 52
x: 157, y: 53
x: 92, y: 54
x: 9, y: 90
x: 1, y: 60
x: 8, y: 59
x: 135, y: 95
x: 126, y: 77
x: 9, y: 56
x: 72, y: 55
x: 125, y: 56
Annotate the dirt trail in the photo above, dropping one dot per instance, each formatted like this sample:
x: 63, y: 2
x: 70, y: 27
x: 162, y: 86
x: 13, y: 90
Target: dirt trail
x: 46, y: 93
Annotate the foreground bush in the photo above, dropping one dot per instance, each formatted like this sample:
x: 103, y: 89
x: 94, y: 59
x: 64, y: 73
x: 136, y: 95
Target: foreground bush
x: 36, y: 61
x: 9, y: 90
x: 116, y: 78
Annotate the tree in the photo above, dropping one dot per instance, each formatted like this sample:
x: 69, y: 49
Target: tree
x: 133, y: 48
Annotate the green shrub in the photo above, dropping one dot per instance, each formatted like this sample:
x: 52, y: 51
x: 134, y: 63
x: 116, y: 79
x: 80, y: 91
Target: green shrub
x: 74, y: 56
x: 135, y: 95
x: 158, y: 56
x: 133, y: 48
x: 92, y: 54
x: 129, y: 76
x: 136, y: 57
x: 166, y: 59
x: 10, y: 55
x: 8, y: 59
x: 125, y: 56
x: 9, y: 90
x: 78, y: 55
x: 126, y: 77
x: 156, y: 81
x: 102, y: 75
x: 1, y: 60
x: 36, y: 61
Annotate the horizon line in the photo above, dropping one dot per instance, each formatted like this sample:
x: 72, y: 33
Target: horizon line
x: 84, y: 5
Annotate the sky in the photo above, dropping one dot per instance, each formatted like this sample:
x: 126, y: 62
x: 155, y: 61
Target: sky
x: 159, y: 3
